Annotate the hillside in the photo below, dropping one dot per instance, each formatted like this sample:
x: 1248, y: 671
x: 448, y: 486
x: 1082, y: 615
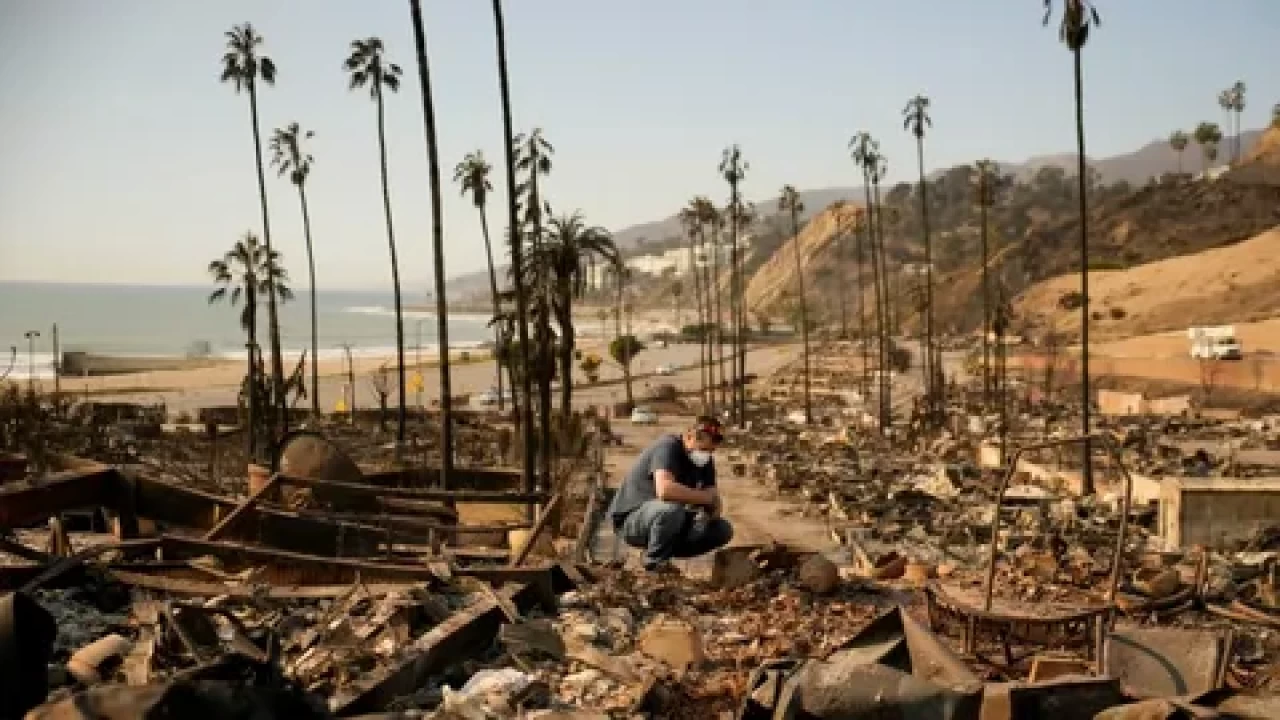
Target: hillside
x: 1233, y: 284
x: 1034, y: 237
x: 1134, y: 168
x: 775, y: 279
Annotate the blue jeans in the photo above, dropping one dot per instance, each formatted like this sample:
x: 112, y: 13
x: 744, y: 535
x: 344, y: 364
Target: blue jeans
x: 665, y: 530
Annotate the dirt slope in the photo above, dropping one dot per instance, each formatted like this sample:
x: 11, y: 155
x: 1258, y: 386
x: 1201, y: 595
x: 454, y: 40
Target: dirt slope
x: 1233, y: 284
x: 776, y: 278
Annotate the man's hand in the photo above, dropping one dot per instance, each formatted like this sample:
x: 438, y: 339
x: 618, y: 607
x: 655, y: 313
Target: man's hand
x: 716, y: 506
x: 670, y: 490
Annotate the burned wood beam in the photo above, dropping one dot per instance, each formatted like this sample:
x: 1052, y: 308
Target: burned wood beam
x: 285, y: 566
x: 244, y: 507
x: 473, y: 479
x: 27, y: 506
x: 465, y: 633
x: 392, y: 485
x: 174, y: 505
x: 203, y: 588
x: 538, y: 527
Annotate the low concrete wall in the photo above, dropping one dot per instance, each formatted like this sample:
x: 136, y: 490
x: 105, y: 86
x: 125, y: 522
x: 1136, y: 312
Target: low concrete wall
x: 1216, y: 511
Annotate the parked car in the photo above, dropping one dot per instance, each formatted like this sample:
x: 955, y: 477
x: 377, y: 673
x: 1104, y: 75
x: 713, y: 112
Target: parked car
x: 644, y: 416
x: 665, y: 369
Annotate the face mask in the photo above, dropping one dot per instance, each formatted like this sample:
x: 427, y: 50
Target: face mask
x: 700, y: 457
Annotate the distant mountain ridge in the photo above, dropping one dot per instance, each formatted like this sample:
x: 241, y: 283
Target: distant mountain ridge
x: 1151, y: 160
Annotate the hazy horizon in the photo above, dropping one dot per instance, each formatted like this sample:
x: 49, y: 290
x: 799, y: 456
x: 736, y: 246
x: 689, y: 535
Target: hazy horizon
x: 128, y: 163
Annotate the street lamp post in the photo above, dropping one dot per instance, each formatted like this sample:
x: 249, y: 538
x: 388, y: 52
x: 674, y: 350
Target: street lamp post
x: 31, y: 336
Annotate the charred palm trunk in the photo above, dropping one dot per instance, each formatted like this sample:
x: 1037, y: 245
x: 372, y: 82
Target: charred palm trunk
x: 804, y: 314
x: 251, y: 370
x: 315, y: 325
x: 697, y: 295
x: 741, y: 332
x: 497, y: 307
x: 566, y: 354
x: 875, y: 296
x: 734, y: 299
x: 860, y: 274
x: 843, y: 289
x: 273, y: 320
x: 721, y: 385
x: 545, y: 349
x: 932, y: 392
x: 401, y: 418
x: 624, y: 348
x: 517, y: 253
x: 437, y: 249
x: 1085, y: 394
x: 886, y: 355
x: 986, y: 301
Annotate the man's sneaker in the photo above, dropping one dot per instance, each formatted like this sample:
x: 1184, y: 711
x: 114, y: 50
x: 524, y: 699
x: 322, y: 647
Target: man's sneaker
x: 661, y: 569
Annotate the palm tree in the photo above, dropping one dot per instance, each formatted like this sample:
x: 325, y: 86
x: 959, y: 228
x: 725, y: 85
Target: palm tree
x: 1078, y: 16
x: 985, y: 187
x: 915, y: 119
x: 437, y: 243
x: 693, y: 228
x: 866, y: 155
x: 1178, y: 141
x: 879, y: 171
x: 562, y: 259
x: 517, y: 263
x: 1207, y: 135
x: 734, y: 169
x: 712, y: 223
x: 534, y: 157
x: 245, y: 271
x: 1226, y: 101
x: 368, y: 67
x: 244, y: 66
x: 789, y: 202
x: 289, y: 158
x: 1237, y: 106
x: 861, y: 231
x: 472, y: 174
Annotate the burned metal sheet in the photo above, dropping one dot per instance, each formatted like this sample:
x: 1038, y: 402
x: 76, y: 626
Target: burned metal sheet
x: 1167, y: 662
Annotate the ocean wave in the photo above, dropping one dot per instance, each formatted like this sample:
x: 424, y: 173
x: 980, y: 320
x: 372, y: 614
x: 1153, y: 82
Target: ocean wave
x: 369, y: 310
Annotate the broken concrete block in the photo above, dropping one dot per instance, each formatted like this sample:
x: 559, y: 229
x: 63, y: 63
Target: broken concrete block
x: 676, y: 643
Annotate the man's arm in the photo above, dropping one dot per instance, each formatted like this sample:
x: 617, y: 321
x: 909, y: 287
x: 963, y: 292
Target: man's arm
x: 670, y: 490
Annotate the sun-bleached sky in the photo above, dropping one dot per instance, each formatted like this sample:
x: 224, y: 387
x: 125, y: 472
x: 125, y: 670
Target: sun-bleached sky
x: 122, y: 158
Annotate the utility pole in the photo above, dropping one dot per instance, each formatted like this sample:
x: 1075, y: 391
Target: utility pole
x: 31, y: 336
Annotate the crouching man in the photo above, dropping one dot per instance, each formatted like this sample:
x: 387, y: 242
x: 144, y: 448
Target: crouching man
x: 668, y: 504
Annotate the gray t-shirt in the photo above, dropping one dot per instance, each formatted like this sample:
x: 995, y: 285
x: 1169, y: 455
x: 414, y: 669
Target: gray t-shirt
x: 667, y: 453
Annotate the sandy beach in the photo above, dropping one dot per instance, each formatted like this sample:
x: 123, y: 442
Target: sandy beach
x: 472, y: 371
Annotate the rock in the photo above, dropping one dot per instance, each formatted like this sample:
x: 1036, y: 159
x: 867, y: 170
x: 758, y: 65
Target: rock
x: 732, y: 568
x: 818, y: 575
x: 673, y: 642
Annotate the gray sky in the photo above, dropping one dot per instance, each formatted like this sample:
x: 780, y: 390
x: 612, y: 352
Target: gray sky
x: 122, y: 159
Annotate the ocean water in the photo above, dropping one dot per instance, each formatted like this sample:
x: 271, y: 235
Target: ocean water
x: 179, y: 321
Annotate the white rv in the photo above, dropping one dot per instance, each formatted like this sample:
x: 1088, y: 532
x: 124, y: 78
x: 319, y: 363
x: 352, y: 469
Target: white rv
x: 1214, y: 343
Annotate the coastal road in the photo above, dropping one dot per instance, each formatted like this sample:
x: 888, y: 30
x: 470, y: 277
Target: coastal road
x: 185, y: 393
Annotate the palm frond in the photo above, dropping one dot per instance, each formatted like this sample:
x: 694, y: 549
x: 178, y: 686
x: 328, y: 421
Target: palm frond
x: 267, y: 70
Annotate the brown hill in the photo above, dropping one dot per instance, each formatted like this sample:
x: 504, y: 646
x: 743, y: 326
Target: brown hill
x: 1232, y: 284
x: 776, y: 279
x: 1160, y: 221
